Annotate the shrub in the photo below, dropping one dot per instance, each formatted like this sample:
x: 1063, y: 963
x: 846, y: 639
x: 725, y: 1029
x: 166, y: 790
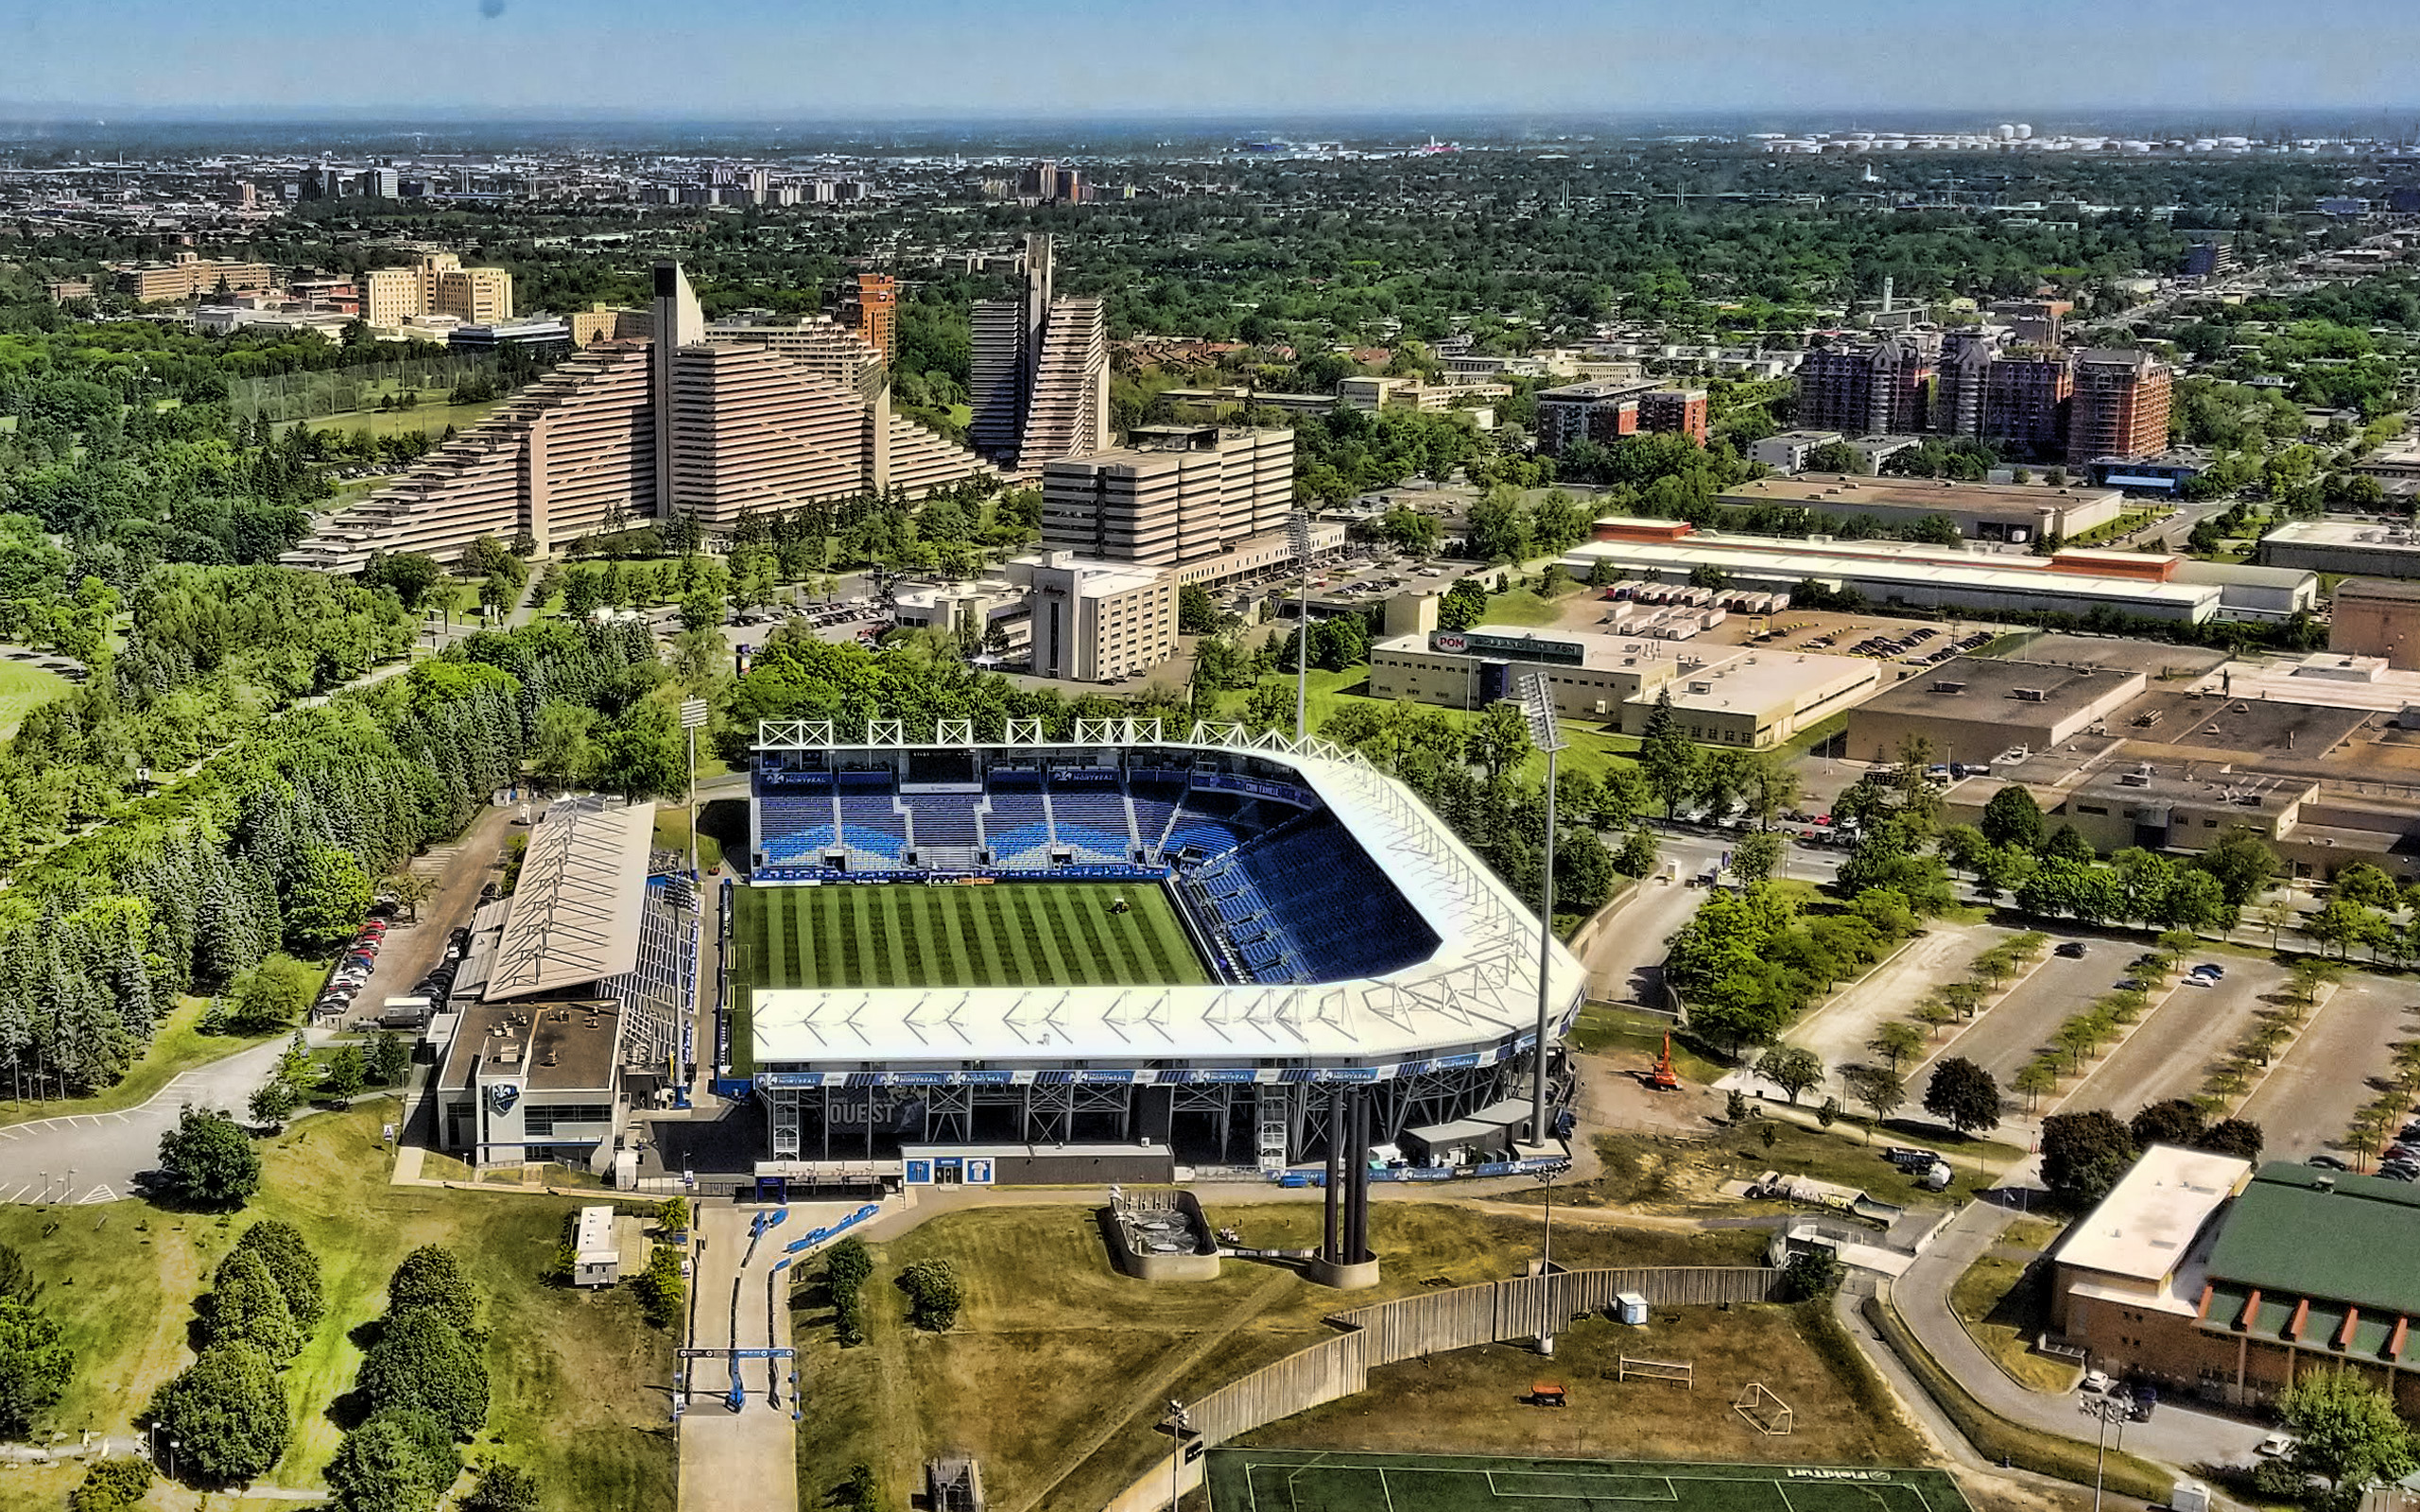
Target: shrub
x: 431, y: 1278
x: 660, y: 1288
x: 422, y: 1360
x: 227, y: 1412
x: 934, y: 1294
x: 111, y: 1485
x: 503, y: 1488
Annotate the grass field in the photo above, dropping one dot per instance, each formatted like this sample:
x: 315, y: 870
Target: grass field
x: 1274, y: 1481
x: 430, y: 417
x: 22, y: 687
x: 577, y: 1376
x: 1044, y: 933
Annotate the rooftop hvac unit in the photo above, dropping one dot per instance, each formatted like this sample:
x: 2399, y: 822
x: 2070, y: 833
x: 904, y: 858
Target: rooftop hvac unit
x: 2133, y: 779
x: 2029, y: 696
x: 1701, y: 686
x: 1949, y: 687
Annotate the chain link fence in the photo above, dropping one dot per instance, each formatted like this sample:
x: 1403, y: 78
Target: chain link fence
x: 342, y: 391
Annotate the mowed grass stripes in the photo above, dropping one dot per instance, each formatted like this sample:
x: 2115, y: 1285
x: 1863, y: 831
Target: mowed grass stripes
x: 1035, y: 934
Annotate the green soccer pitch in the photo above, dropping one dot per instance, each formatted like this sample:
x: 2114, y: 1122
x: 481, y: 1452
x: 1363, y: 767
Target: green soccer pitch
x: 1251, y: 1480
x: 1025, y: 934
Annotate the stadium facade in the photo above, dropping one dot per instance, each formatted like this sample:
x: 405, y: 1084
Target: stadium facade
x: 711, y: 422
x: 1351, y: 939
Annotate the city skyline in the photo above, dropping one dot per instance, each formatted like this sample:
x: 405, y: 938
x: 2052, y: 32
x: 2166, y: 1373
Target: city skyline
x: 1078, y: 58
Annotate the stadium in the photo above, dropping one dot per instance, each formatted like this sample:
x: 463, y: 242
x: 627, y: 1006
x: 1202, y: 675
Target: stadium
x: 980, y: 958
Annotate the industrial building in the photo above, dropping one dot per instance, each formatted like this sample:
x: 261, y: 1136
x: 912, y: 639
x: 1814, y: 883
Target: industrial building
x: 2343, y: 546
x: 1982, y: 511
x: 1982, y: 582
x: 1787, y: 452
x: 2377, y: 617
x: 1039, y: 376
x: 1973, y: 710
x: 706, y: 422
x: 2209, y: 1281
x: 1726, y: 695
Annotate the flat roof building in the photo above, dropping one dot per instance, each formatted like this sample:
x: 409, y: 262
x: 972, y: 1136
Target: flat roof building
x: 2343, y: 546
x: 391, y: 298
x: 1182, y: 494
x: 2377, y: 617
x: 1787, y: 452
x: 1100, y: 621
x: 1972, y: 709
x: 1985, y: 512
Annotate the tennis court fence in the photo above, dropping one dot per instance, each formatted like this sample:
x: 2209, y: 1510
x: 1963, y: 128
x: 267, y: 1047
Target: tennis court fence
x: 1433, y: 1323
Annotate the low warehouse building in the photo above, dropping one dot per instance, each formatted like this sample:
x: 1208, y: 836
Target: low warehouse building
x: 2189, y: 1276
x: 2342, y: 547
x: 2377, y: 617
x: 1759, y: 700
x: 1981, y: 511
x: 1974, y: 709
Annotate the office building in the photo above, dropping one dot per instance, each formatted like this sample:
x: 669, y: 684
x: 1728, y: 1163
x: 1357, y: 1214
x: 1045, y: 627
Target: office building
x: 2377, y: 617
x: 1039, y: 373
x: 695, y: 419
x: 870, y: 306
x: 606, y: 322
x: 1674, y: 412
x: 186, y: 275
x: 437, y: 285
x: 2120, y: 409
x: 1100, y: 621
x: 2343, y: 546
x: 2030, y: 323
x: 1045, y: 182
x: 378, y: 183
x: 2026, y: 396
x: 1873, y: 388
x: 1604, y: 412
x: 2210, y: 259
x: 544, y: 339
x: 1180, y: 494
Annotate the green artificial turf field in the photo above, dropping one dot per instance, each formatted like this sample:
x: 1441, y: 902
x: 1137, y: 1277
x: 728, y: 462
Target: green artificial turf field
x: 1031, y: 934
x: 1249, y: 1480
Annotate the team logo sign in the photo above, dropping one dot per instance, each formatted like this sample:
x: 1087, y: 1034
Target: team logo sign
x: 503, y: 1095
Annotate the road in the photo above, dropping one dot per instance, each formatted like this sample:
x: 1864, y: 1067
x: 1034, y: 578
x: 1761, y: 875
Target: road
x: 1839, y: 1031
x: 2175, y: 1435
x: 2306, y: 1105
x: 93, y: 1157
x: 1625, y: 964
x: 2009, y: 1034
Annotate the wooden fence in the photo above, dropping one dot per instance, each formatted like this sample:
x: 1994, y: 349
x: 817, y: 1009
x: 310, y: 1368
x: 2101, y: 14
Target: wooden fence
x: 1433, y: 1323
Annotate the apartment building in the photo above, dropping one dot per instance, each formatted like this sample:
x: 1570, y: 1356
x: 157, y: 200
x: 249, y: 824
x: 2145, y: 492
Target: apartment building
x: 2026, y: 396
x: 1963, y: 380
x: 1180, y: 494
x: 2120, y: 409
x: 1604, y: 412
x: 437, y: 285
x: 870, y: 306
x: 1039, y: 371
x: 188, y: 274
x: 1100, y: 621
x: 1876, y: 389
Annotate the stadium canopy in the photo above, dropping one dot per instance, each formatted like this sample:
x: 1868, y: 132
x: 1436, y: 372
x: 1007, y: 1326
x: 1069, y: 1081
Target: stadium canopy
x: 1473, y: 1001
x: 576, y: 909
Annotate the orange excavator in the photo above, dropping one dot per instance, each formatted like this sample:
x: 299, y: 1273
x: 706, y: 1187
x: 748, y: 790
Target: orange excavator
x: 1663, y: 1078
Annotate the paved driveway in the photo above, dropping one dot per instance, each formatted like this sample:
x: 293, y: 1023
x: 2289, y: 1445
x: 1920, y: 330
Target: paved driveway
x: 93, y: 1156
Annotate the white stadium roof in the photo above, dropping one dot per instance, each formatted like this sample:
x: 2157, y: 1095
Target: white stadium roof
x: 1475, y: 995
x: 576, y: 909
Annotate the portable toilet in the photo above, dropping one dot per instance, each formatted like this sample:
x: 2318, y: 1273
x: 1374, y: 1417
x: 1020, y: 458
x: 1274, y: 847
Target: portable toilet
x: 1630, y: 1308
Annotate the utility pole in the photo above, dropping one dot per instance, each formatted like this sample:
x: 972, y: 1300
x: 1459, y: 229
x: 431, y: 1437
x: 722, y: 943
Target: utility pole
x: 1537, y: 703
x: 1298, y: 526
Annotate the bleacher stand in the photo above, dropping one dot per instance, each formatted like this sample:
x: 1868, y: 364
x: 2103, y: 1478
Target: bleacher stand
x: 1088, y: 814
x: 1302, y: 904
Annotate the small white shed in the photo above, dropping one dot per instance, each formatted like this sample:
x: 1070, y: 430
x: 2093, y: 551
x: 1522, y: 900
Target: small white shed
x: 597, y: 1257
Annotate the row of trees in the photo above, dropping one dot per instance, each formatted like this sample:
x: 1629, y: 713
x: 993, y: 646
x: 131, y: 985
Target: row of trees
x: 35, y: 1360
x: 227, y: 1411
x: 421, y: 1392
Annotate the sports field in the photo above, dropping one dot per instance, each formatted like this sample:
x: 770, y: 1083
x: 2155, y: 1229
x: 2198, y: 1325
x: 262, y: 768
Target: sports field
x: 1255, y: 1480
x: 1028, y: 934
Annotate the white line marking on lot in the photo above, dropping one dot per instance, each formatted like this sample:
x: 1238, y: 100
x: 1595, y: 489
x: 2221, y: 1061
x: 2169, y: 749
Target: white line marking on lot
x: 96, y: 1195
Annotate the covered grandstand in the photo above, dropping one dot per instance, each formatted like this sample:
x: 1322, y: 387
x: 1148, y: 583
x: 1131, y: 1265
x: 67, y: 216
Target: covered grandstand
x: 1348, y: 937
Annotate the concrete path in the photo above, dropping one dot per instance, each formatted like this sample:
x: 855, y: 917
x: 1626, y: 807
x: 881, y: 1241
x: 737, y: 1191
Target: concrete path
x: 743, y: 1459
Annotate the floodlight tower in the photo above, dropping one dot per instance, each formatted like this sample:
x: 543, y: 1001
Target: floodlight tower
x: 1298, y: 528
x: 1537, y: 705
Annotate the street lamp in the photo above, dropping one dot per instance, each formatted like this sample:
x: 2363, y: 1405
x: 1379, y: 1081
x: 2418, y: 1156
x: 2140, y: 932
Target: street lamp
x: 2106, y: 1412
x: 1180, y: 1422
x: 1298, y: 530
x: 1537, y: 705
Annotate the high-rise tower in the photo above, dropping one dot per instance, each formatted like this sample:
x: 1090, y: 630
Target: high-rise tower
x: 1039, y: 371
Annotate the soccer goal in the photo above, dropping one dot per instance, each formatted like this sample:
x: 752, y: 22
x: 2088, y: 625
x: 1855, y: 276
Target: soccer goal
x: 1681, y: 1373
x: 1764, y: 1412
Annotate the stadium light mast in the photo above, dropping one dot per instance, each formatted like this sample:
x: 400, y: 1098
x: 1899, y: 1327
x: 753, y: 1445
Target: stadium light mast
x: 1298, y: 529
x: 1537, y: 705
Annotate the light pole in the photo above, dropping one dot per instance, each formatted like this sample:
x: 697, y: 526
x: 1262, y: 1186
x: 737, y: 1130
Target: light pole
x: 172, y: 1457
x: 1546, y: 1265
x: 1179, y: 1423
x: 1298, y: 528
x: 693, y: 719
x: 2106, y: 1412
x: 1537, y: 703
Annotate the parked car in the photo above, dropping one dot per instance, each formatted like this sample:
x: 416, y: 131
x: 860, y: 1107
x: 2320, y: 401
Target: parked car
x: 2146, y: 1401
x: 2277, y: 1446
x: 2095, y: 1381
x: 2072, y: 949
x: 2211, y: 970
x: 2325, y: 1163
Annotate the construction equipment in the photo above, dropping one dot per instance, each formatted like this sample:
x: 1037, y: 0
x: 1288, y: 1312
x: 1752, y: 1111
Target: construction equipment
x: 1663, y: 1078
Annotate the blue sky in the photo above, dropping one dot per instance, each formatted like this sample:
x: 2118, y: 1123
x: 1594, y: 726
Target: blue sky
x: 1065, y: 58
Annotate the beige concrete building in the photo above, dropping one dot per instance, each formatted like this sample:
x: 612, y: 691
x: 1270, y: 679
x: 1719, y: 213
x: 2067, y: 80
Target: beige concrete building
x: 437, y: 285
x: 1972, y: 709
x: 1180, y: 494
x: 606, y: 322
x: 1982, y: 511
x: 1100, y: 621
x: 186, y: 275
x: 1758, y: 701
x: 2377, y: 617
x: 1038, y: 379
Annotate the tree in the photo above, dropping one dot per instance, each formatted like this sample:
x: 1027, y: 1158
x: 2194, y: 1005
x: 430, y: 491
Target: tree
x: 1791, y: 1069
x: 1756, y: 855
x: 421, y: 1361
x: 660, y: 1288
x: 934, y: 1294
x: 1813, y: 1273
x: 227, y: 1412
x: 2066, y: 844
x: 398, y: 1460
x: 672, y: 1215
x: 2346, y: 1433
x: 272, y: 1103
x: 2176, y: 1121
x: 246, y: 1307
x: 1499, y: 739
x: 2242, y: 863
x: 327, y: 901
x: 560, y: 754
x: 290, y: 1265
x: 35, y: 1363
x: 2364, y: 884
x: 1668, y: 757
x: 112, y: 1486
x: 390, y: 1059
x: 272, y: 995
x: 2033, y: 1078
x: 342, y: 1081
x: 1197, y: 612
x: 2012, y: 818
x: 1584, y: 872
x: 1635, y: 857
x: 209, y: 1161
x: 2083, y: 1155
x: 430, y: 1280
x: 1878, y: 1088
x: 2239, y: 1137
x: 503, y: 1488
x: 408, y: 890
x: 702, y: 608
x: 1895, y: 1041
x: 1964, y: 1093
x: 643, y: 755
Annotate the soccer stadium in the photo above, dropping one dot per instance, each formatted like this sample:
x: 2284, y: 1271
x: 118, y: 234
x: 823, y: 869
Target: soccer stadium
x: 955, y: 952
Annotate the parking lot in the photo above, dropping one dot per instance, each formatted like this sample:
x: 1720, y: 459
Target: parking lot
x: 2009, y: 1034
x: 2307, y: 1103
x: 2174, y: 1052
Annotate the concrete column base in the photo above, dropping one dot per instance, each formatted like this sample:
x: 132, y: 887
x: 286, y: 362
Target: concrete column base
x: 1352, y: 1277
